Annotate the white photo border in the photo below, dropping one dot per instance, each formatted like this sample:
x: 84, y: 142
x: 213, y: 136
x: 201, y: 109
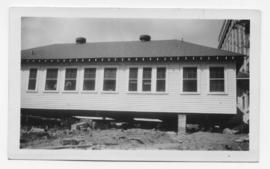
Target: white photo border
x: 14, y: 151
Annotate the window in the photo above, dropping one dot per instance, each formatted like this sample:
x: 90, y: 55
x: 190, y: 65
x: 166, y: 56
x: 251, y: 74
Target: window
x: 147, y: 75
x: 133, y: 79
x: 32, y: 79
x: 189, y: 79
x: 89, y: 79
x: 109, y: 79
x: 161, y: 79
x: 217, y: 79
x: 70, y: 79
x: 51, y: 79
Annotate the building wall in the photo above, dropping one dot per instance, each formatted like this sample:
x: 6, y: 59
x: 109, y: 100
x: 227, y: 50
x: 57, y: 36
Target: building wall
x: 234, y: 37
x: 172, y: 101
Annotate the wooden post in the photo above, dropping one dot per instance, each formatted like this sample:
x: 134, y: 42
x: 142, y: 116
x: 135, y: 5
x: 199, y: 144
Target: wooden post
x: 181, y: 124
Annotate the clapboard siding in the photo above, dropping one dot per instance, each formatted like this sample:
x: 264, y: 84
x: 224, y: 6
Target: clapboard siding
x: 173, y: 100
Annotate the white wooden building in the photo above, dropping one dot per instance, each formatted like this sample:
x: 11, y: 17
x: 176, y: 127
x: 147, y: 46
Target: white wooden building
x: 136, y: 77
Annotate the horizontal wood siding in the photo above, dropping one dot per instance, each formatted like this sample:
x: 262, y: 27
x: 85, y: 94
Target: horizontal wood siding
x: 172, y: 101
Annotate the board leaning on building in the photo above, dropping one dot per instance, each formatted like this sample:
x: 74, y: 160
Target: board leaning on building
x: 164, y: 79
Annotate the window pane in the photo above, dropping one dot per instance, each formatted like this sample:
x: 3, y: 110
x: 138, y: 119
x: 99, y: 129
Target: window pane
x: 52, y: 73
x: 190, y: 72
x: 32, y: 84
x: 146, y: 85
x: 216, y: 72
x: 32, y: 79
x: 90, y: 73
x: 33, y: 73
x: 89, y: 79
x: 109, y: 73
x: 132, y: 85
x: 109, y: 79
x: 71, y: 73
x: 133, y: 76
x: 190, y: 85
x: 160, y: 85
x: 89, y: 85
x: 109, y: 85
x: 161, y: 76
x: 147, y: 73
x: 51, y: 79
x: 133, y: 73
x: 217, y: 85
x: 51, y: 85
x: 70, y: 84
x: 161, y: 73
x: 190, y: 79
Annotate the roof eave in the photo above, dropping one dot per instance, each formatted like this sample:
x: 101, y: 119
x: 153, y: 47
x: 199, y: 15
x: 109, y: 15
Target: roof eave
x: 135, y: 59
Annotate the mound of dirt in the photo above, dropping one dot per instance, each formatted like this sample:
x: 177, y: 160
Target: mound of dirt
x: 213, y: 141
x: 132, y: 139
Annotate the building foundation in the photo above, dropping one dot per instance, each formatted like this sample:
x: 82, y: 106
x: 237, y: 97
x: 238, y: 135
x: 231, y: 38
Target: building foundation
x: 181, y: 127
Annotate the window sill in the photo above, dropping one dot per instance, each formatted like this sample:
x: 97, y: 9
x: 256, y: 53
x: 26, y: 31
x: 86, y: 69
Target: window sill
x: 70, y: 91
x: 109, y: 92
x: 190, y: 93
x: 50, y: 91
x: 89, y: 92
x: 31, y: 91
x: 217, y: 93
x: 148, y: 93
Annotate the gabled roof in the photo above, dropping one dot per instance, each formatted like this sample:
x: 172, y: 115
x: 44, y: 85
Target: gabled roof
x: 128, y: 49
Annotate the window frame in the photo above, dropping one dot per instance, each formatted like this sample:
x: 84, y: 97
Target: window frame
x: 166, y: 79
x: 138, y: 76
x: 116, y: 79
x: 225, y: 92
x: 64, y: 79
x: 58, y: 80
x: 198, y: 79
x: 152, y: 80
x: 28, y: 75
x: 82, y: 81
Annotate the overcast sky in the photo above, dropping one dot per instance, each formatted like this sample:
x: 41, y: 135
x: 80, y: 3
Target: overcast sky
x: 45, y: 31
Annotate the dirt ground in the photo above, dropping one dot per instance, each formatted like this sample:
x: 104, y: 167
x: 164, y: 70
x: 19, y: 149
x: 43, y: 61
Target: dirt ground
x: 132, y: 139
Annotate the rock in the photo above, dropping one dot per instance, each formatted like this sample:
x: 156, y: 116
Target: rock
x: 229, y: 131
x: 228, y: 147
x: 192, y: 127
x: 242, y: 140
x: 37, y: 130
x: 70, y: 141
x: 242, y: 128
x: 217, y: 128
x: 171, y: 133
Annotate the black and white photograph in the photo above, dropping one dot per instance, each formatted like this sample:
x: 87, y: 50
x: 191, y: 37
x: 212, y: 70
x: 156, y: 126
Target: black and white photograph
x: 164, y: 84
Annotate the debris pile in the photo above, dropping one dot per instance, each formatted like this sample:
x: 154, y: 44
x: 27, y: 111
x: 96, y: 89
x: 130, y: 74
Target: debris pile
x: 131, y: 139
x: 85, y: 133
